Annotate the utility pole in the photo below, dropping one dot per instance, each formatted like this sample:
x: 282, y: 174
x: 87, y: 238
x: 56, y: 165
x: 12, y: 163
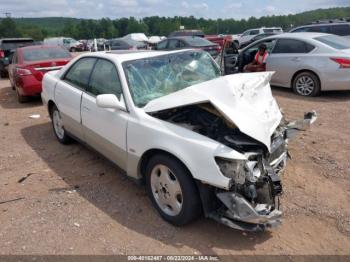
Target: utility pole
x: 7, y: 14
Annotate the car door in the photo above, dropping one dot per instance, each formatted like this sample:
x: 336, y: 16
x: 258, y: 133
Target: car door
x: 68, y: 94
x: 286, y: 59
x: 105, y: 129
x: 247, y: 55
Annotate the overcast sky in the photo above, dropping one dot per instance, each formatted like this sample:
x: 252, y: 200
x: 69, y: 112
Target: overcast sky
x: 140, y: 8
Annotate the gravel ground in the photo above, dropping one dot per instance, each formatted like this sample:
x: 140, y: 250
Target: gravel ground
x: 75, y: 202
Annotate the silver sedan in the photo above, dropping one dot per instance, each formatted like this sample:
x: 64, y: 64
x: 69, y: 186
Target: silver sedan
x: 306, y: 62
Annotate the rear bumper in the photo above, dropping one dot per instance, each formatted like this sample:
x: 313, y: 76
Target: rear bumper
x: 336, y: 80
x: 28, y: 86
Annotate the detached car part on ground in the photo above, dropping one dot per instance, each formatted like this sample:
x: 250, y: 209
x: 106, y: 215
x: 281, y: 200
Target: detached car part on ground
x: 201, y: 142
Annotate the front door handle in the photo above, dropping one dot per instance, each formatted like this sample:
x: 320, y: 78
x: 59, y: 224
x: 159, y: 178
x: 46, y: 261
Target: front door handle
x: 86, y: 108
x: 296, y: 59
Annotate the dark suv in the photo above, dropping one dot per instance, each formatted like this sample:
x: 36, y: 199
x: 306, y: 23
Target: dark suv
x: 7, y: 47
x: 336, y: 28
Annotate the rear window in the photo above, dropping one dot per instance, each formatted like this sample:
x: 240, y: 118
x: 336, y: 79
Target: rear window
x: 13, y: 44
x: 334, y: 41
x: 187, y: 33
x: 197, y: 41
x: 40, y: 54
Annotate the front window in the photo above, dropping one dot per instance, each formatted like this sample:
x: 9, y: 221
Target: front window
x: 151, y: 78
x: 292, y: 46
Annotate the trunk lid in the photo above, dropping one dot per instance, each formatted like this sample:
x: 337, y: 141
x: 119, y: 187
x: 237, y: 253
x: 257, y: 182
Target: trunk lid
x: 243, y: 99
x: 39, y: 68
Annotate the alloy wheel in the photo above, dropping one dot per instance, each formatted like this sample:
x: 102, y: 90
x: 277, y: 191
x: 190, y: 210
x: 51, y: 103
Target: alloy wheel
x: 166, y: 190
x: 58, y: 124
x: 305, y: 85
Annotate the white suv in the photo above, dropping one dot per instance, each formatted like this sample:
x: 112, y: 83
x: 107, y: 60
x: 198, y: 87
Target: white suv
x: 249, y: 34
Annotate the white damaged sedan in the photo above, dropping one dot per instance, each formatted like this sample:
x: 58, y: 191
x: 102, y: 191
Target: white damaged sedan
x: 201, y: 142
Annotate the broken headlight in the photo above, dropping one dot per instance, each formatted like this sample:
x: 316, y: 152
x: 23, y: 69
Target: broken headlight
x: 240, y: 170
x: 234, y: 169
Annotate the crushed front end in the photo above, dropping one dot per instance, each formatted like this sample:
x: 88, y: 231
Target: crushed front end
x: 252, y: 203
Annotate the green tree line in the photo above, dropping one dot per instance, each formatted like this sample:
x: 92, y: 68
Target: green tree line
x: 39, y: 28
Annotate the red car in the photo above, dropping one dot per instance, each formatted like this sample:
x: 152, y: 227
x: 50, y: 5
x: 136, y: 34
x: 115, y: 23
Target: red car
x: 29, y: 64
x: 220, y: 40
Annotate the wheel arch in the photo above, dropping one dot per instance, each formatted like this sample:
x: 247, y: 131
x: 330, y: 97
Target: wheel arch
x: 203, y: 192
x: 50, y: 105
x: 305, y: 71
x: 147, y: 155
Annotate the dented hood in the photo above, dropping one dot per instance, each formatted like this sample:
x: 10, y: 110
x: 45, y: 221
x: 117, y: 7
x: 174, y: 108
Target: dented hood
x: 243, y: 99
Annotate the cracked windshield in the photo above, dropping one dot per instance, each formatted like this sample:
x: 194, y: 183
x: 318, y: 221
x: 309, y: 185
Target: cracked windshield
x: 152, y: 78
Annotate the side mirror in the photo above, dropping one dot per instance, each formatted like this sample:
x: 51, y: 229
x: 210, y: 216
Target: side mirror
x: 109, y: 101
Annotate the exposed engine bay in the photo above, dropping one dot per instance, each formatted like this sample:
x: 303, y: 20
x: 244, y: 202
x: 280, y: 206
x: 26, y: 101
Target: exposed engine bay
x: 252, y: 203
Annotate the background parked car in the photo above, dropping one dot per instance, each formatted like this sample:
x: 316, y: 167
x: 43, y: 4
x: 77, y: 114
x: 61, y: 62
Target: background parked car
x: 249, y: 34
x: 29, y: 64
x: 307, y: 62
x: 183, y: 42
x: 197, y: 33
x: 336, y: 28
x: 69, y: 43
x: 258, y: 37
x: 124, y: 44
x: 219, y: 39
x: 85, y: 46
x: 7, y: 48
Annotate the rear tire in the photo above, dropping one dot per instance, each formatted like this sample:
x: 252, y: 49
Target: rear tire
x: 21, y: 99
x: 172, y: 190
x: 58, y: 126
x: 12, y: 85
x: 306, y: 84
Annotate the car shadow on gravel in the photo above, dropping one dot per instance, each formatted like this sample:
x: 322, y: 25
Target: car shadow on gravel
x: 326, y: 96
x: 8, y: 100
x: 104, y: 186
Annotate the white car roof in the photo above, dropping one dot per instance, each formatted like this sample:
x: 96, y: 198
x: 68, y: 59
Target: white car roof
x: 129, y: 55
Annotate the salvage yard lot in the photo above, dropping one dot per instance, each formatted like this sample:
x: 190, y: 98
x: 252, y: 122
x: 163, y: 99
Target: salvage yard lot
x: 75, y: 202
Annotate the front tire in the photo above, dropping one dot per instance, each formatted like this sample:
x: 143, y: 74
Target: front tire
x: 58, y: 127
x: 172, y: 190
x: 306, y: 84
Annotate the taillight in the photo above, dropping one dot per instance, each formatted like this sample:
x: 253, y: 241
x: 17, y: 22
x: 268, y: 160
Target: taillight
x: 23, y: 71
x: 343, y: 62
x: 2, y: 54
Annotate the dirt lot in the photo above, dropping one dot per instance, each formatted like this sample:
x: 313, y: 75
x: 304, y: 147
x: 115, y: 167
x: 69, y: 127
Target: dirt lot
x: 75, y: 202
